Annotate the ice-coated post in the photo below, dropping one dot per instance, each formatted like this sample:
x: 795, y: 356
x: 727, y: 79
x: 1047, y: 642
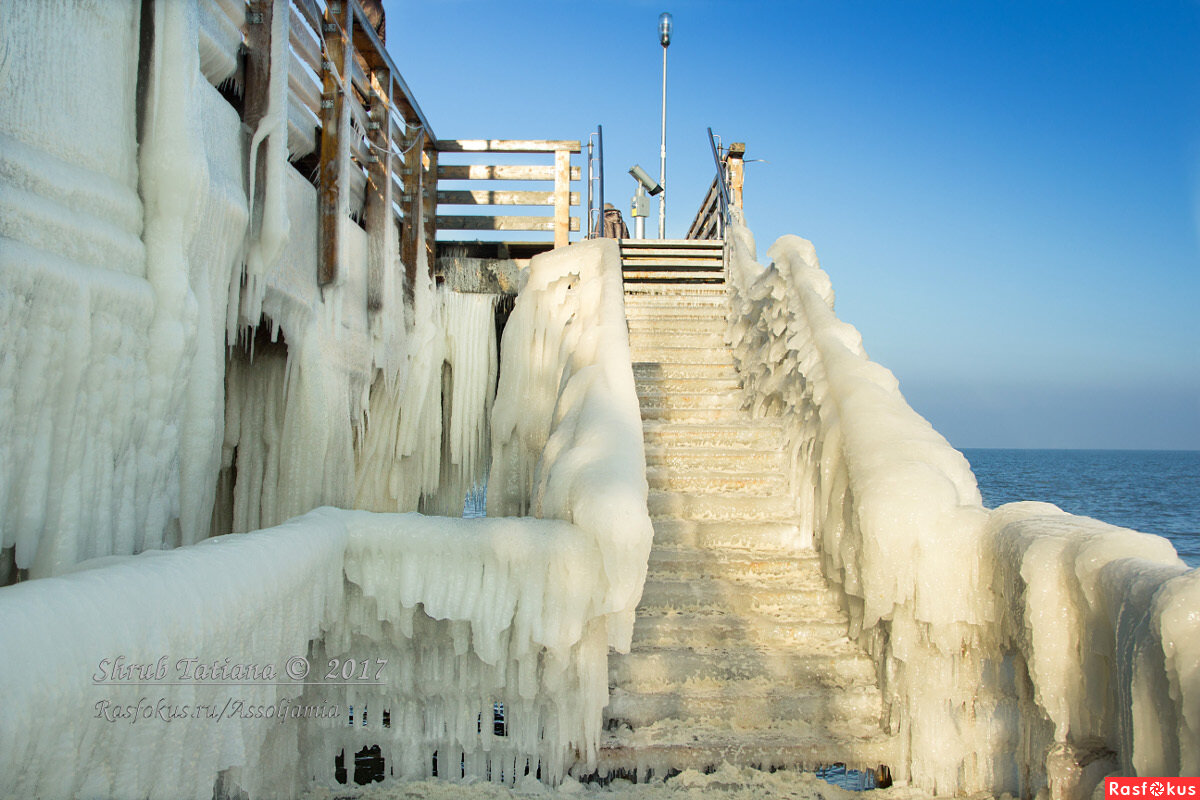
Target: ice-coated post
x: 664, y: 38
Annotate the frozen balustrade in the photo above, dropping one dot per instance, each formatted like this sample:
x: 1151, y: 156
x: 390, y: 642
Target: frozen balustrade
x: 471, y: 616
x: 1018, y: 649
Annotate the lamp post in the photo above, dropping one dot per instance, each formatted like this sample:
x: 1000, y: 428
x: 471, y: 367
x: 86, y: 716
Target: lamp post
x: 664, y: 38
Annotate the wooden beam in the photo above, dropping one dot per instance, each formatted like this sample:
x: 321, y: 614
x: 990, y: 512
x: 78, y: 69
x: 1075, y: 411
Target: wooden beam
x: 562, y: 205
x: 507, y: 146
x: 487, y: 197
x: 736, y: 169
x: 335, y: 141
x: 429, y: 201
x: 500, y: 172
x: 496, y: 223
x: 379, y: 222
x: 411, y: 202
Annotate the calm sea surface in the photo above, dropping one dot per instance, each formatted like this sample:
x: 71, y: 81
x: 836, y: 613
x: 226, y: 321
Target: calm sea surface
x: 1155, y: 491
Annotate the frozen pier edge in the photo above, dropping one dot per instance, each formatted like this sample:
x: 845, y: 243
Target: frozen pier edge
x: 229, y: 379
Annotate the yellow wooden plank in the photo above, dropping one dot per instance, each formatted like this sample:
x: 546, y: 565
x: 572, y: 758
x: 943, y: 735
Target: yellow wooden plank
x: 483, y: 222
x: 501, y: 172
x: 507, y: 145
x: 487, y: 197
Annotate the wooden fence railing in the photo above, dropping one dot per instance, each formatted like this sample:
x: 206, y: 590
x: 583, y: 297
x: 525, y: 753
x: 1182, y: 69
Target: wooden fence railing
x: 709, y: 221
x: 356, y: 129
x: 371, y: 130
x: 561, y: 198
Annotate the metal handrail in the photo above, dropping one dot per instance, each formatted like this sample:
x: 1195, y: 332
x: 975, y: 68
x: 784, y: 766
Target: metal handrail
x: 722, y: 189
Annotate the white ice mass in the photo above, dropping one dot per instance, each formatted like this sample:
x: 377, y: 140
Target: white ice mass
x: 171, y: 371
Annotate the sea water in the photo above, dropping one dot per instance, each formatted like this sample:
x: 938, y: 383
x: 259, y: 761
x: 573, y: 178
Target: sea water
x: 1154, y: 491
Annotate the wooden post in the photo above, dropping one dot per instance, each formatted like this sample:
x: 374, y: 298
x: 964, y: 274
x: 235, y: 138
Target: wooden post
x: 735, y: 168
x: 379, y: 190
x: 337, y: 29
x: 562, y: 197
x: 429, y: 187
x: 411, y: 203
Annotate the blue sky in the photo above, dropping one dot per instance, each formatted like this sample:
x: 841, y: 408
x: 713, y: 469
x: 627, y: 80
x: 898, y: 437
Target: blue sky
x: 1005, y: 194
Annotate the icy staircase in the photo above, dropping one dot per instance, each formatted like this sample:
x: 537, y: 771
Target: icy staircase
x: 739, y: 651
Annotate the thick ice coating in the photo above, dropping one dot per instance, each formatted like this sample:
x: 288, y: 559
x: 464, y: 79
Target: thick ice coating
x: 1019, y: 648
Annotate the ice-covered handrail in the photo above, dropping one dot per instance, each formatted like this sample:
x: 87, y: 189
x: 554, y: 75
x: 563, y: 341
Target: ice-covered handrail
x: 1015, y: 648
x: 566, y: 427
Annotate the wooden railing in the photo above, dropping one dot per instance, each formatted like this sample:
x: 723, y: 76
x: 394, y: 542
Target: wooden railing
x: 561, y: 198
x: 709, y: 222
x: 369, y: 123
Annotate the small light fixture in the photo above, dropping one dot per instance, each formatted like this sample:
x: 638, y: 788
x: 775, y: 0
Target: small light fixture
x: 664, y: 29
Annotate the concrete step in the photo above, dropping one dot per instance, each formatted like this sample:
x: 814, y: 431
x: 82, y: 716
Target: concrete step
x: 647, y: 303
x: 681, y: 354
x: 745, y: 707
x: 668, y: 414
x: 756, y: 537
x: 674, y: 746
x: 716, y: 459
x: 727, y: 384
x: 663, y: 596
x: 802, y: 571
x: 729, y: 400
x: 663, y: 669
x: 691, y: 244
x: 715, y: 630
x: 648, y: 369
x: 641, y: 339
x: 715, y: 482
x: 677, y: 326
x: 753, y: 434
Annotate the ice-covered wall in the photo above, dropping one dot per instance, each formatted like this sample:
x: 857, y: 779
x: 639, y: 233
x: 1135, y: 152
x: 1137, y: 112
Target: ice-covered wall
x: 1016, y: 648
x: 171, y: 365
x: 82, y: 721
x: 115, y: 266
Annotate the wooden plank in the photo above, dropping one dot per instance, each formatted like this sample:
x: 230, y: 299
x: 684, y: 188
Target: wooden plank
x: 335, y: 144
x: 379, y: 223
x: 487, y: 197
x: 562, y: 204
x: 500, y: 172
x: 429, y: 201
x: 507, y: 145
x: 411, y: 202
x: 498, y: 223
x: 735, y: 167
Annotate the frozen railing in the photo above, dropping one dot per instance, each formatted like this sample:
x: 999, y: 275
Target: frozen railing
x: 1017, y: 649
x: 424, y: 632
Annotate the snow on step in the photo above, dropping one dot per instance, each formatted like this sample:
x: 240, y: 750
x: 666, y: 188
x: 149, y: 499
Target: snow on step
x: 739, y: 647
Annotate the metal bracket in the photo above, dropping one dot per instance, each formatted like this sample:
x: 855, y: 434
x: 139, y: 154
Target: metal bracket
x: 254, y: 17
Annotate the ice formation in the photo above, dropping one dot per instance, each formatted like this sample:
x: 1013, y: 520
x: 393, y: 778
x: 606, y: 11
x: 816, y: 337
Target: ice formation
x: 1019, y: 648
x: 78, y: 727
x: 567, y: 434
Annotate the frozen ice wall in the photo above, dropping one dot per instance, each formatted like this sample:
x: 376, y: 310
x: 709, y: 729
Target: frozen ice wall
x: 81, y: 723
x: 1017, y: 649
x: 114, y: 272
x: 172, y: 366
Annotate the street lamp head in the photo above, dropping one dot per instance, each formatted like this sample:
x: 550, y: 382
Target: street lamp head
x: 664, y: 29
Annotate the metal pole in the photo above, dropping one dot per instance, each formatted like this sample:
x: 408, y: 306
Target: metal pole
x: 589, y: 233
x: 600, y: 151
x: 662, y: 156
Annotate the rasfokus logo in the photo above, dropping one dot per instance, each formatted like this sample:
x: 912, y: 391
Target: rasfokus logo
x: 1152, y: 787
